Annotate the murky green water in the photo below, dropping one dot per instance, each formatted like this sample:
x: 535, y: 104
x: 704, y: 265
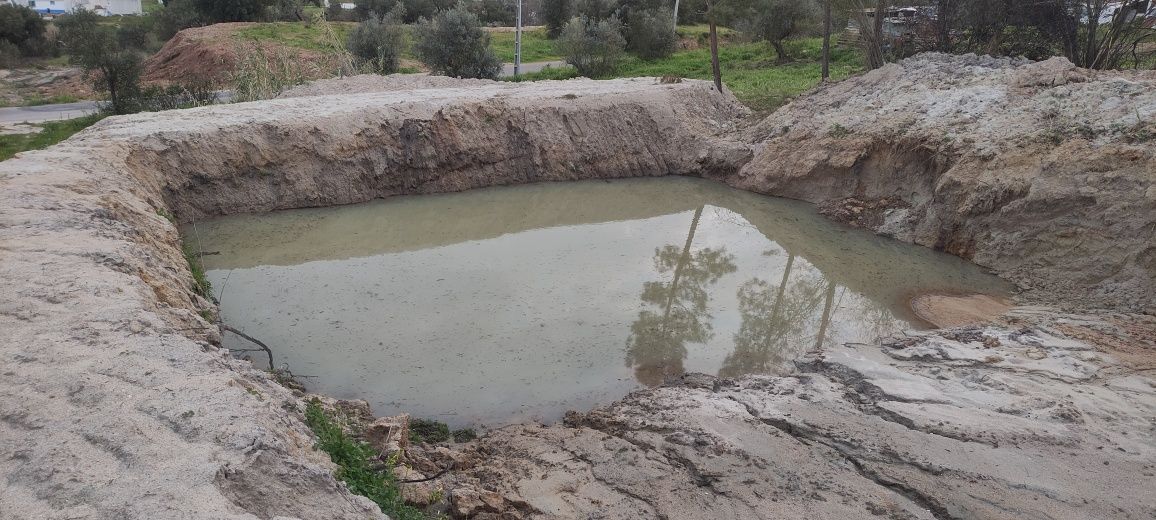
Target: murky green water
x: 507, y: 304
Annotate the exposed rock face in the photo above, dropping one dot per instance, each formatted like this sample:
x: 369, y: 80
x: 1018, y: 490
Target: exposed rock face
x: 1042, y: 171
x: 113, y: 403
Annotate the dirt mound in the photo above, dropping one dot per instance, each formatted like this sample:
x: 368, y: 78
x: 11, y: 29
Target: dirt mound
x: 367, y: 83
x: 1042, y: 171
x: 115, y: 400
x: 211, y: 53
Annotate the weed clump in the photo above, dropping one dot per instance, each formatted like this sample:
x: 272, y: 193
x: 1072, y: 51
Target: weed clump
x: 426, y: 430
x: 465, y: 435
x: 352, y: 458
x: 201, y: 283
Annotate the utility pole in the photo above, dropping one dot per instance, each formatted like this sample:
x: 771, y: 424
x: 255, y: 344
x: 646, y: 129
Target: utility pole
x: 518, y: 42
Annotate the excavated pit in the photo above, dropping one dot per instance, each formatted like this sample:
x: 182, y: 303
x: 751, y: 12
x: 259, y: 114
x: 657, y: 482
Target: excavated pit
x: 116, y: 400
x: 512, y: 304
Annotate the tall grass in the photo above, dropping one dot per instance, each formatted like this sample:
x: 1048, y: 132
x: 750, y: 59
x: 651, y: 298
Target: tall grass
x: 264, y: 73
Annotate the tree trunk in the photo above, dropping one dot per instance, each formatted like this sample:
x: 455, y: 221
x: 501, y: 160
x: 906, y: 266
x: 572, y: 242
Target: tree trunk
x: 779, y: 50
x: 826, y: 40
x: 113, y: 97
x: 714, y: 57
x: 877, y: 44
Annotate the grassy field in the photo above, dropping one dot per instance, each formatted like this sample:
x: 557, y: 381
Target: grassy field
x: 750, y: 70
x: 535, y: 46
x: 297, y: 35
x: 53, y: 132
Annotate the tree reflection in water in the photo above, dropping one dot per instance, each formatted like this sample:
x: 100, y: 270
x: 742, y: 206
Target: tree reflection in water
x: 677, y: 310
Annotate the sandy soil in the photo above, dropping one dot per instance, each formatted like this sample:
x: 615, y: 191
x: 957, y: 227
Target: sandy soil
x: 949, y: 310
x: 1044, y: 172
x: 116, y: 403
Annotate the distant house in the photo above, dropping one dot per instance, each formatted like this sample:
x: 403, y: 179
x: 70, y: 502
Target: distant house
x: 101, y: 7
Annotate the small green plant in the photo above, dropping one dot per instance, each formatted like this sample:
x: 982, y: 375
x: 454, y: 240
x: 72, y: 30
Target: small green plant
x: 546, y: 73
x: 352, y: 459
x: 837, y: 131
x: 201, y: 283
x: 426, y: 430
x: 465, y: 435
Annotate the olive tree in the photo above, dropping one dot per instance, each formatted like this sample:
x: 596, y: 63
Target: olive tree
x: 22, y: 32
x: 453, y: 43
x: 650, y: 33
x: 592, y: 47
x: 377, y: 43
x: 777, y: 20
x: 96, y: 48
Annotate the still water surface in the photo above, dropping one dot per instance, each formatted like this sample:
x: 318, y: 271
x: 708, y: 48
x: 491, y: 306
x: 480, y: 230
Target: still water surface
x: 507, y: 304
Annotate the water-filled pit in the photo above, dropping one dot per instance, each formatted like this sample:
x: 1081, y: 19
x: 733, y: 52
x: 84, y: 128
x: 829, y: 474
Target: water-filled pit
x: 516, y: 303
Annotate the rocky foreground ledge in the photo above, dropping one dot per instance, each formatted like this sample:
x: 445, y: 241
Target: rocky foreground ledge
x: 115, y: 401
x: 1040, y: 415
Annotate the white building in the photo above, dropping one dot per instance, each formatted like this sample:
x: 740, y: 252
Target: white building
x: 102, y: 7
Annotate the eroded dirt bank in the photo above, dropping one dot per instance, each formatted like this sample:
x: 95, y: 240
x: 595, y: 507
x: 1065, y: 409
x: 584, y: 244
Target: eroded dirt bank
x: 1043, y: 171
x: 115, y: 403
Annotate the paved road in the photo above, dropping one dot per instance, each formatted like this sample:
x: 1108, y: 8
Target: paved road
x: 42, y: 113
x: 508, y: 68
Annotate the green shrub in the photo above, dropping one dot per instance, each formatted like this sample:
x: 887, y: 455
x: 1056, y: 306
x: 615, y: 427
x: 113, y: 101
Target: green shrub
x: 454, y: 44
x: 10, y: 54
x: 377, y: 43
x: 500, y: 13
x: 217, y: 11
x: 176, y: 15
x: 650, y: 34
x: 555, y: 14
x: 23, y: 29
x: 96, y: 47
x: 594, y: 48
x: 777, y: 20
